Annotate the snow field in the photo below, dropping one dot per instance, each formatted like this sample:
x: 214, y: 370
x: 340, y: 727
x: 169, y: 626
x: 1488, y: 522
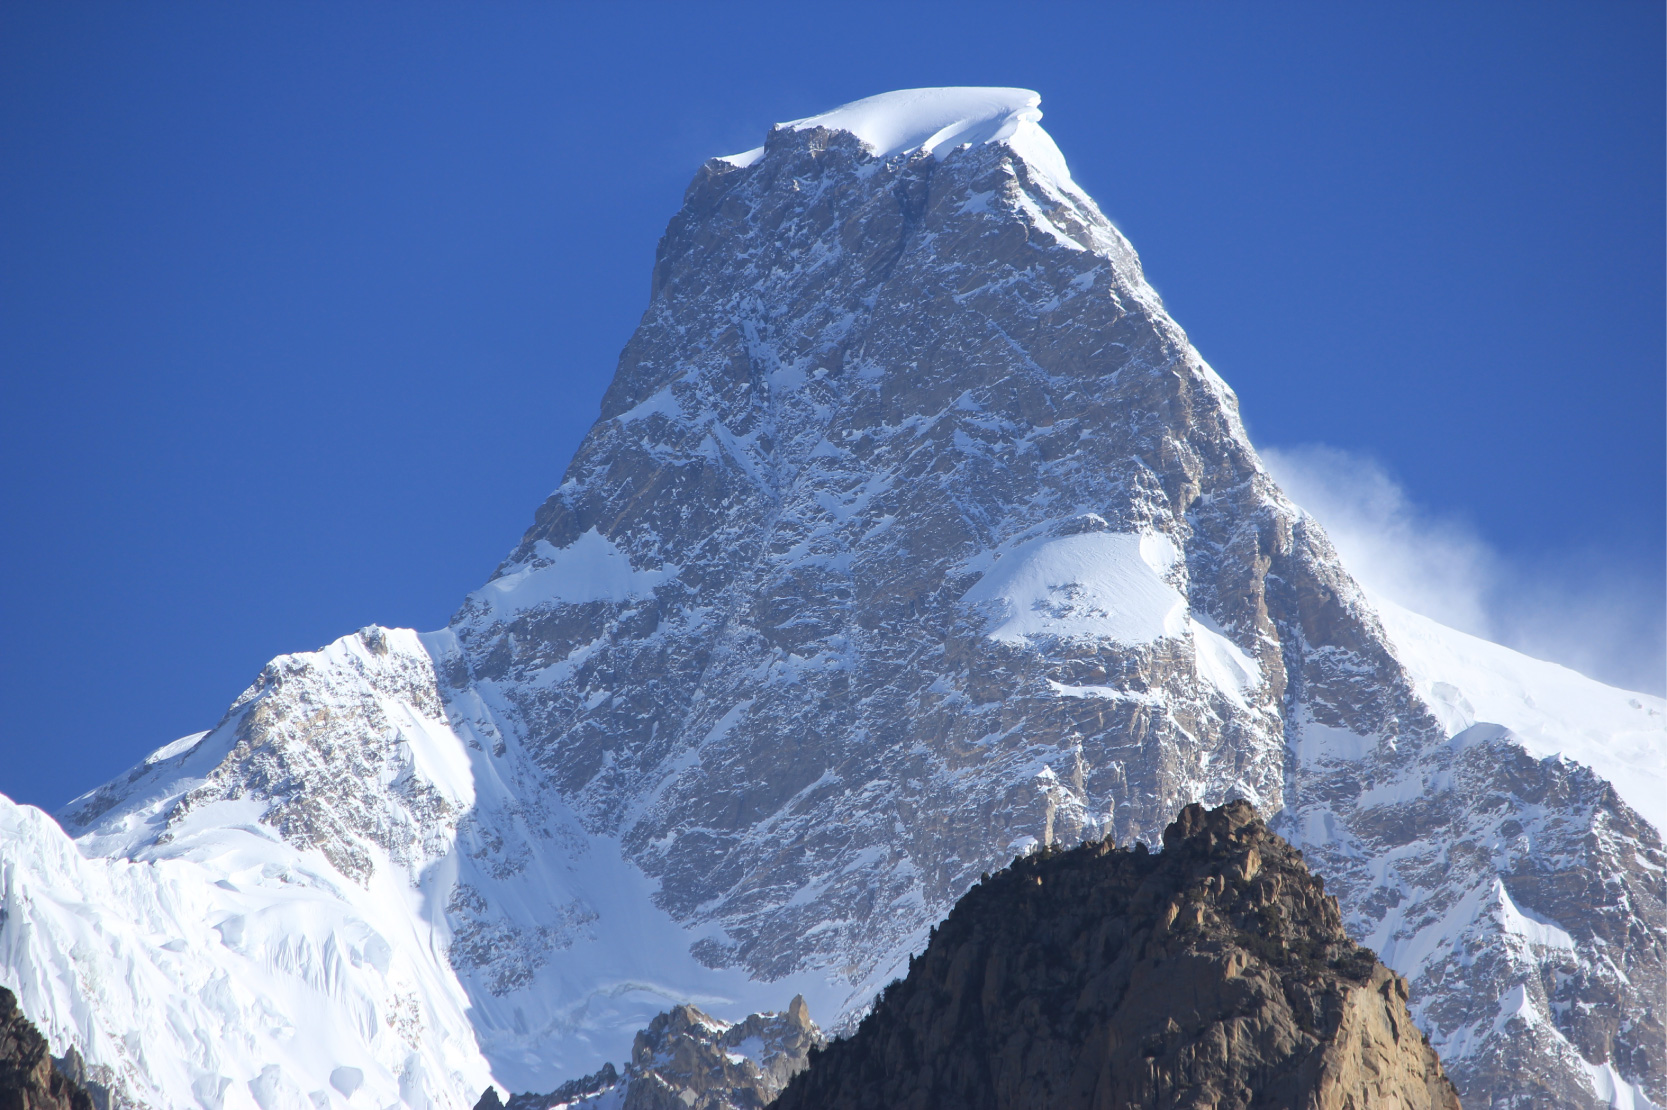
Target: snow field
x: 1103, y: 586
x: 1551, y: 709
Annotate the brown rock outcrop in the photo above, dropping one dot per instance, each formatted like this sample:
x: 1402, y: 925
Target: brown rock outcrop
x: 1213, y: 974
x: 28, y: 1078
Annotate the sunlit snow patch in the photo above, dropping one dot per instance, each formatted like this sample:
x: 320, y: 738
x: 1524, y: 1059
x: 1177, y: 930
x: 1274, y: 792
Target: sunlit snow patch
x: 930, y: 119
x: 1222, y: 663
x: 1104, y: 586
x: 1612, y: 1087
x: 591, y: 568
x: 178, y: 747
x: 743, y: 159
x: 1535, y: 930
x: 938, y: 121
x: 1097, y: 585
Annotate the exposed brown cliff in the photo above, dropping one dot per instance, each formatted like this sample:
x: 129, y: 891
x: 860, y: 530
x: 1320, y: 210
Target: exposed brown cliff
x: 28, y: 1078
x: 1213, y: 974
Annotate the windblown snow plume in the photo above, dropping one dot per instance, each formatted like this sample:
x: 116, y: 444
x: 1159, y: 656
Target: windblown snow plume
x: 1583, y: 609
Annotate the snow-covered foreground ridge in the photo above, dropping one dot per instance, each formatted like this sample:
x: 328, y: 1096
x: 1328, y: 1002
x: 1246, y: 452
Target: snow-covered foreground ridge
x: 224, y: 950
x: 913, y: 532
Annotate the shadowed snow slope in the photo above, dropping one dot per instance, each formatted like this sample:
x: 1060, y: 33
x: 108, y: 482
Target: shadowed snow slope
x: 912, y: 533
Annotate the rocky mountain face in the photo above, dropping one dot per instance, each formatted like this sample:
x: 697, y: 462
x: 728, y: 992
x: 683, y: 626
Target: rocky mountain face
x: 29, y: 1079
x: 913, y: 534
x: 1213, y: 974
x: 688, y: 1060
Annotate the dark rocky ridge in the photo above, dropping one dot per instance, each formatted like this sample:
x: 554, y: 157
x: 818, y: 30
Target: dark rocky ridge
x: 1214, y: 974
x: 29, y: 1078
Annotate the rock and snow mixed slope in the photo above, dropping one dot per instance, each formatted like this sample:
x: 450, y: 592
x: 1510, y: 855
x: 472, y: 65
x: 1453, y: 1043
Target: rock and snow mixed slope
x: 912, y: 532
x: 239, y: 931
x: 689, y: 1059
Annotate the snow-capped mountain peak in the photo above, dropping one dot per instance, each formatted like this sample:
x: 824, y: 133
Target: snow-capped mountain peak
x: 937, y: 121
x: 912, y: 533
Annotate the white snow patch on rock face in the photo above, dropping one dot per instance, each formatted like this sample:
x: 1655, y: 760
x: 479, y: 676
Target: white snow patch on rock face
x: 1612, y: 1087
x: 1552, y: 710
x: 1319, y: 744
x: 1099, y: 585
x: 1529, y: 926
x: 591, y: 568
x: 1222, y: 663
x: 1105, y: 586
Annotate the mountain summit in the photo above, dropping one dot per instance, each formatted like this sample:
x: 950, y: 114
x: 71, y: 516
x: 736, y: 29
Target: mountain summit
x: 912, y: 534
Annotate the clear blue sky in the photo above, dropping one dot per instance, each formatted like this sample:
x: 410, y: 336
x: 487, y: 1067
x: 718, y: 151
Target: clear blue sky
x: 304, y: 307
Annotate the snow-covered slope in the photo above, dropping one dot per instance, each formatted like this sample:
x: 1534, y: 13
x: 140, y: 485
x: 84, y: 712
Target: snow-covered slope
x: 336, y: 893
x: 239, y: 973
x: 912, y: 532
x: 197, y: 951
x: 1551, y: 710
